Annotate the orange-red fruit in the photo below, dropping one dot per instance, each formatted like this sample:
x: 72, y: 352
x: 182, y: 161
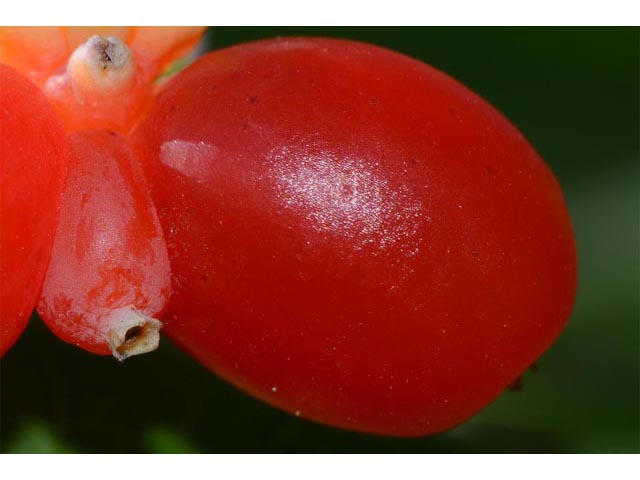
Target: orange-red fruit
x: 33, y: 161
x: 109, y: 272
x: 358, y: 238
x: 40, y: 52
x: 97, y: 78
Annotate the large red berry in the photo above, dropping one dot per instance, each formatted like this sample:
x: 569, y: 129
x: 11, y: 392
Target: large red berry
x: 33, y: 161
x: 354, y: 236
x: 109, y: 272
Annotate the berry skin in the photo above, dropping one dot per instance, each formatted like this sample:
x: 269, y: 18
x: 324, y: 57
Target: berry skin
x: 33, y: 155
x: 354, y: 236
x: 109, y: 274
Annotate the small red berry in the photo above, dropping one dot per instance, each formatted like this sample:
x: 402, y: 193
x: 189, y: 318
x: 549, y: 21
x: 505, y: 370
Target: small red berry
x: 109, y: 273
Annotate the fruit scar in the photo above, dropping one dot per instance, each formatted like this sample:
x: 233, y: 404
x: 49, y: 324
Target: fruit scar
x: 109, y: 276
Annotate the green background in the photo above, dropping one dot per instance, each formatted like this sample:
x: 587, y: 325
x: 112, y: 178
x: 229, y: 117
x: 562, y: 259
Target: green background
x: 574, y: 92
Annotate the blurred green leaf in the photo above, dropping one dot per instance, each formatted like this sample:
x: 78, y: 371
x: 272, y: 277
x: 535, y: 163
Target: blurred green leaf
x: 36, y: 436
x: 165, y: 440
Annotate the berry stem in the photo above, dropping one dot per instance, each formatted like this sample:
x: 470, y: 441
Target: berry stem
x: 102, y: 88
x: 101, y: 66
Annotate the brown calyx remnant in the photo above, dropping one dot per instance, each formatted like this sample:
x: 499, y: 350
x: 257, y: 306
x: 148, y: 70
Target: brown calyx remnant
x: 132, y: 333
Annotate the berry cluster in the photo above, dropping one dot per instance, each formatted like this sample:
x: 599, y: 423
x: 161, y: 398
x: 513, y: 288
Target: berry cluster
x: 335, y: 228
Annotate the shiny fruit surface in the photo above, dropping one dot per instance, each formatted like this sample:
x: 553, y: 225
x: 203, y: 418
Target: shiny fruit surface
x: 109, y: 272
x: 354, y: 236
x: 33, y: 155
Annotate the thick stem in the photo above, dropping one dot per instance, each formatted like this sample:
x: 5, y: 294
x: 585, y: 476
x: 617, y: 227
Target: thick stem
x: 132, y: 333
x: 101, y: 67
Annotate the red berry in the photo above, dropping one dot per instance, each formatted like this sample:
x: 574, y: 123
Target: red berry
x: 33, y: 159
x: 354, y: 236
x: 109, y: 271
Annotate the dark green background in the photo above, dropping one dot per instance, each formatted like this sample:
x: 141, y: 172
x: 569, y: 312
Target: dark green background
x: 574, y: 94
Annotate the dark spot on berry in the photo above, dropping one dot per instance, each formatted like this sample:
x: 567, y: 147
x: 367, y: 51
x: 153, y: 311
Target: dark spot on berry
x: 253, y: 99
x: 516, y: 385
x: 490, y: 171
x: 475, y: 253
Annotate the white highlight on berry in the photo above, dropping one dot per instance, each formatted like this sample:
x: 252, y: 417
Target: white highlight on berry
x: 195, y: 160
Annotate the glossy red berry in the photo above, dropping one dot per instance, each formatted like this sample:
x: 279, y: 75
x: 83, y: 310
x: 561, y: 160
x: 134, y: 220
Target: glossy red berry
x: 33, y: 159
x: 109, y: 274
x: 354, y: 236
